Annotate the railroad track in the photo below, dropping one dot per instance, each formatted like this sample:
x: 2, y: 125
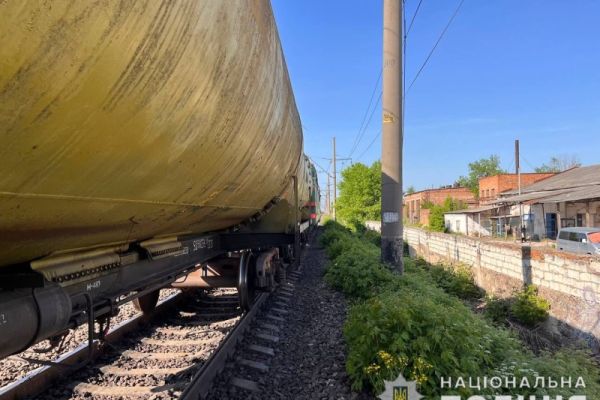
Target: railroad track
x: 244, y: 368
x: 173, y: 354
x: 21, y: 379
x: 162, y: 364
x: 141, y: 358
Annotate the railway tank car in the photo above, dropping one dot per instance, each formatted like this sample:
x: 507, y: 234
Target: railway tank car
x: 142, y: 144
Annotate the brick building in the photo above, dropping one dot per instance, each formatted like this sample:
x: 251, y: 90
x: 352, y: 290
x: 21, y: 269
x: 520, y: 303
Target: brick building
x: 491, y: 186
x: 413, y: 203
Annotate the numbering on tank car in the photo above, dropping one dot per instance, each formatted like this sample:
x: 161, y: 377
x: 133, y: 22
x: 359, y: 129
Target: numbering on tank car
x: 203, y: 244
x: 93, y: 285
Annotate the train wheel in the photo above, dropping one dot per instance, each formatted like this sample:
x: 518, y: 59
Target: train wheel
x: 147, y: 303
x: 246, y: 289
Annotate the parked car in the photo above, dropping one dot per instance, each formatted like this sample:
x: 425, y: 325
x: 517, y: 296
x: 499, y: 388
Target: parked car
x: 579, y: 240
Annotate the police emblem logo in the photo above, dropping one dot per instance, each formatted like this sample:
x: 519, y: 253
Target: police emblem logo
x: 400, y: 389
x: 400, y: 393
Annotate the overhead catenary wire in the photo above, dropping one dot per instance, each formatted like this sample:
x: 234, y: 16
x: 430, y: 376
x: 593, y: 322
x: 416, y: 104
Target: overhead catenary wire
x: 366, y: 125
x: 320, y: 167
x: 370, y: 145
x: 405, y: 34
x: 362, y: 127
x: 436, y: 44
x: 528, y: 163
x: 512, y: 164
x: 412, y: 21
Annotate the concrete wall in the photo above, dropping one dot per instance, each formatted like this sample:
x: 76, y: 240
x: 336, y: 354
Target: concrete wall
x: 570, y: 282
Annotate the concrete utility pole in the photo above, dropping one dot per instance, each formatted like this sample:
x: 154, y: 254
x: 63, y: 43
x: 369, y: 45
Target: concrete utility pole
x: 391, y: 153
x: 334, y: 181
x: 332, y: 199
x: 518, y: 170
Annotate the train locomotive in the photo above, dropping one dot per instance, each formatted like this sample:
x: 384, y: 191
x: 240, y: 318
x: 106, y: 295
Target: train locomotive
x: 142, y: 145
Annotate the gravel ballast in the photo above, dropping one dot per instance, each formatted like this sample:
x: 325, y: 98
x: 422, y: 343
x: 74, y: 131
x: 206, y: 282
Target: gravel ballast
x: 14, y: 367
x: 309, y: 360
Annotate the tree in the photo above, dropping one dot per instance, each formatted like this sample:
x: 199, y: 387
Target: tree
x: 360, y: 193
x: 410, y: 190
x: 480, y: 169
x: 436, y: 213
x: 560, y: 163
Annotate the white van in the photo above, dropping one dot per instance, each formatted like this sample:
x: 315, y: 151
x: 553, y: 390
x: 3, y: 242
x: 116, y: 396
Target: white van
x: 579, y: 240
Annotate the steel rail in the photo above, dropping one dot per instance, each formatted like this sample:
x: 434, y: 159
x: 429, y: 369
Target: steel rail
x: 202, y: 380
x: 36, y: 381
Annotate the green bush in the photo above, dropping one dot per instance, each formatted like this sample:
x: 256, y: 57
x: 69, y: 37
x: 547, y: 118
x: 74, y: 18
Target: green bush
x: 372, y: 237
x: 333, y: 232
x: 336, y: 239
x: 354, y: 266
x: 497, y: 310
x: 416, y: 325
x: 420, y: 262
x: 422, y: 333
x: 529, y: 308
x: 357, y: 274
x: 457, y: 280
x: 436, y: 213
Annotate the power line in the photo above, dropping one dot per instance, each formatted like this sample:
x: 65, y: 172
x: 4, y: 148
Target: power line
x: 370, y: 145
x: 403, y: 79
x: 528, y: 163
x: 512, y: 164
x: 412, y: 21
x: 355, y: 147
x: 356, y: 138
x: 436, y: 44
x: 321, y: 168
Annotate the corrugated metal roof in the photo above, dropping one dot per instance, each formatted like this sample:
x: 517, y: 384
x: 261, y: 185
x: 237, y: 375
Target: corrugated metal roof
x: 582, y: 193
x: 576, y: 177
x: 473, y: 210
x: 530, y: 196
x: 573, y: 185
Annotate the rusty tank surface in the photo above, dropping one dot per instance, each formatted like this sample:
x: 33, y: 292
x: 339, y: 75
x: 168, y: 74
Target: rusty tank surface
x: 124, y: 121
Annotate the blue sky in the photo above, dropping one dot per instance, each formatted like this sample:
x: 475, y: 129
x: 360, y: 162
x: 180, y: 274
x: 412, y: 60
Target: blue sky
x: 505, y: 69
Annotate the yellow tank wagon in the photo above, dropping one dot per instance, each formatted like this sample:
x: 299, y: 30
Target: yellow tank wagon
x: 142, y: 144
x: 122, y: 121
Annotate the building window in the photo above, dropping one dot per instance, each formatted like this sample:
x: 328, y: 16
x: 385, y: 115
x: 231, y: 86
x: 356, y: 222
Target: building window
x: 580, y: 219
x: 493, y: 192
